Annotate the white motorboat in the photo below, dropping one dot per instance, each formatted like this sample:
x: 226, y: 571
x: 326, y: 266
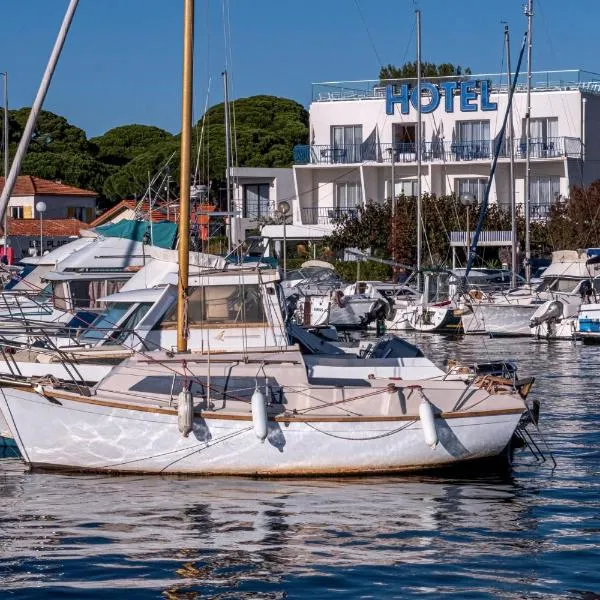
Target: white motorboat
x: 566, y: 281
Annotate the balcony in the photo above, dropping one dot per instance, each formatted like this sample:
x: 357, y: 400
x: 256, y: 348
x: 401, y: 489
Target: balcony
x: 439, y: 151
x: 324, y: 215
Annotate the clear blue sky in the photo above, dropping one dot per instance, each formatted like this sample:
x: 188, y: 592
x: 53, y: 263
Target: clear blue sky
x: 122, y: 60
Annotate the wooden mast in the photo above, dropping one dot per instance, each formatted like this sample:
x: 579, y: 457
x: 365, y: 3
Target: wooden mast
x: 185, y: 172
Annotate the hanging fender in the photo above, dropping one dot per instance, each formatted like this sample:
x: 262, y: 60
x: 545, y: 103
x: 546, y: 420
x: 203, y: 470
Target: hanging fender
x: 185, y: 412
x: 259, y: 414
x: 428, y: 423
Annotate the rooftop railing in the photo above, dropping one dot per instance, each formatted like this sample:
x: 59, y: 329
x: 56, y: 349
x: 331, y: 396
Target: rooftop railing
x: 444, y: 151
x: 574, y: 79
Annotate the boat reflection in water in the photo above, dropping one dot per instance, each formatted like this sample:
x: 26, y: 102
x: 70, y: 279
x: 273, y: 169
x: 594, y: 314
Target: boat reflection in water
x: 209, y: 535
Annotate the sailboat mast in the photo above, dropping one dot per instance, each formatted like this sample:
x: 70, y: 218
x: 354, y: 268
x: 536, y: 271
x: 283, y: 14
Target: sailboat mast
x: 511, y: 180
x: 185, y: 173
x: 6, y: 159
x: 419, y: 136
x: 228, y: 157
x: 11, y: 178
x: 529, y: 14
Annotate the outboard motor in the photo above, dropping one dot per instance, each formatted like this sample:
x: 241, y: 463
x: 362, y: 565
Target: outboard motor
x: 553, y: 312
x: 379, y: 311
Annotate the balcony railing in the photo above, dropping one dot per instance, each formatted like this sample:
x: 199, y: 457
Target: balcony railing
x: 442, y: 151
x: 320, y: 215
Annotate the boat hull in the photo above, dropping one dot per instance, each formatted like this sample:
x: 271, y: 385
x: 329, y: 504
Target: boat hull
x: 506, y: 319
x: 434, y: 318
x: 88, y: 434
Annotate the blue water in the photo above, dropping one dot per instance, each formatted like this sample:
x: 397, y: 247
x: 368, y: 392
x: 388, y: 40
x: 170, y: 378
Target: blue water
x: 529, y: 532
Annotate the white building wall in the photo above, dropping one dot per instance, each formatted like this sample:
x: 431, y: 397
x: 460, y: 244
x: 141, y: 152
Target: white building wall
x: 57, y: 207
x: 440, y: 173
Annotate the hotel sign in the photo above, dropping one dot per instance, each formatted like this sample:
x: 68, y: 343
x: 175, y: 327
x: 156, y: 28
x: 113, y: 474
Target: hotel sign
x: 467, y: 93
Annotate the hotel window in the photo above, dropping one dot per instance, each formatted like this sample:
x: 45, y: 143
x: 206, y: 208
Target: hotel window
x: 544, y: 134
x: 348, y: 195
x: 543, y: 192
x: 345, y: 144
x: 472, y: 140
x: 16, y: 212
x: 256, y: 200
x: 407, y: 187
x: 472, y: 185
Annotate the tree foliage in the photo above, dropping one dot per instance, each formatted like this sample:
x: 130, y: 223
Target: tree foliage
x: 122, y: 144
x: 409, y: 70
x: 372, y: 227
x: 118, y: 164
x: 265, y: 130
x: 133, y: 178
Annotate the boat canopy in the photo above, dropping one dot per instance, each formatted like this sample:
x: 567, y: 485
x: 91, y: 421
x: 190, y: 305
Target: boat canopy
x: 162, y: 234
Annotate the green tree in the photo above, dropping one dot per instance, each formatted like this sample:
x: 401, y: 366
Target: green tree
x: 52, y: 133
x: 132, y: 179
x: 409, y: 70
x: 265, y: 130
x: 122, y: 144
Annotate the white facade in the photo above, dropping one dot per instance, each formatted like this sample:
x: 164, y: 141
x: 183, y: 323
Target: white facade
x: 256, y: 195
x: 82, y: 208
x: 352, y: 136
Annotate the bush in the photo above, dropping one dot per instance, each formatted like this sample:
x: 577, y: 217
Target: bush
x: 370, y: 271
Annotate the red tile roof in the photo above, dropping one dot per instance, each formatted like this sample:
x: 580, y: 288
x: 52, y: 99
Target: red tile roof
x: 160, y: 212
x: 51, y: 227
x: 27, y: 185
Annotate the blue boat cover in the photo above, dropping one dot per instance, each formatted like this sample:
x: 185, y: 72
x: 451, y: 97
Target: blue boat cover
x: 164, y: 233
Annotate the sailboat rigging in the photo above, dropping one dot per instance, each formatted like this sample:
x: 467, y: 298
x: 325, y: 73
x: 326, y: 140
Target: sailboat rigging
x: 497, y: 148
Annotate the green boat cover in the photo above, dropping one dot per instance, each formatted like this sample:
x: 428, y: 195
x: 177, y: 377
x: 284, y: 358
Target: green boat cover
x: 163, y: 233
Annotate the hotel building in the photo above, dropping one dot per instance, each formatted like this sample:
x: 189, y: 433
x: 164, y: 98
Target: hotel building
x: 358, y: 128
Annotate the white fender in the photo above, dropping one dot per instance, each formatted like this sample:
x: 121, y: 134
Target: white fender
x: 428, y: 423
x: 259, y: 414
x: 185, y: 412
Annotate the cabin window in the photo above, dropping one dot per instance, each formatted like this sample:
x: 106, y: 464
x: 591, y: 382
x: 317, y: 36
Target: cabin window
x: 59, y: 295
x: 222, y: 305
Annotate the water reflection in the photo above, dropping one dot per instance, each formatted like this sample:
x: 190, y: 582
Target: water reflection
x: 527, y: 532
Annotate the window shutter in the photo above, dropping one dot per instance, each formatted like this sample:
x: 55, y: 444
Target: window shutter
x: 89, y: 215
x: 70, y: 212
x: 28, y: 212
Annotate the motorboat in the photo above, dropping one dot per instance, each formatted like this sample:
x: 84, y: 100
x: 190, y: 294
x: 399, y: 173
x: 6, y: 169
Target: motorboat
x: 566, y: 280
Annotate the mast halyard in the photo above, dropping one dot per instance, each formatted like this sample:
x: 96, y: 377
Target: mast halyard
x: 511, y: 182
x: 185, y: 173
x: 6, y: 159
x: 419, y: 156
x: 529, y: 15
x: 228, y: 159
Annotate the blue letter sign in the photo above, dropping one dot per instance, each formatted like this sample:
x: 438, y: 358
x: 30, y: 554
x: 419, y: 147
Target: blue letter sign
x: 468, y: 92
